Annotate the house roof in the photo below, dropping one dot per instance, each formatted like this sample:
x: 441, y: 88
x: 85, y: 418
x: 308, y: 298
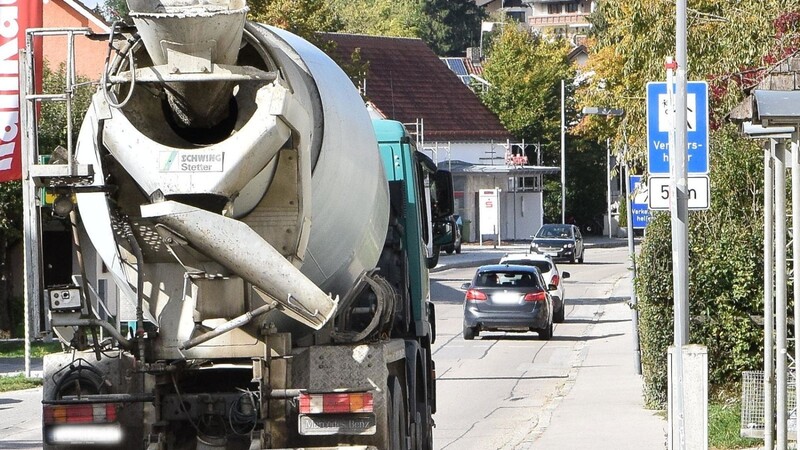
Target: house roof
x: 406, y: 81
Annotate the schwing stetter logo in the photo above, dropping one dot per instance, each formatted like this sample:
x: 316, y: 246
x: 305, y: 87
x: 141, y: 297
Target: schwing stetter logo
x: 190, y: 161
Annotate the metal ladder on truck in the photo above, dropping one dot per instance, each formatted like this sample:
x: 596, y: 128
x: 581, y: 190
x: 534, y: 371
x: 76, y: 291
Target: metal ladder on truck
x: 62, y: 176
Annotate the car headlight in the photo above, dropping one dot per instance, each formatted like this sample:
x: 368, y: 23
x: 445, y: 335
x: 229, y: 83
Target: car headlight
x: 534, y: 245
x: 569, y: 245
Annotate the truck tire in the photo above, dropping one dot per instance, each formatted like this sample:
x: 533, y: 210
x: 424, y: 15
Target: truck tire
x: 397, y: 416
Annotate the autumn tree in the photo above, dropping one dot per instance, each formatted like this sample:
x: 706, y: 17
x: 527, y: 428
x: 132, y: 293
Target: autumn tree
x: 730, y: 44
x: 304, y: 18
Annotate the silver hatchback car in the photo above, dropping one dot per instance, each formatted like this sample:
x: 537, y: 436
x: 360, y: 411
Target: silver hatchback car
x: 552, y: 276
x: 505, y: 297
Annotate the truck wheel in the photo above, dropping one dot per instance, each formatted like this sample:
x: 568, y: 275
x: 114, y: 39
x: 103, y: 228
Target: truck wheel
x: 424, y: 431
x: 397, y: 416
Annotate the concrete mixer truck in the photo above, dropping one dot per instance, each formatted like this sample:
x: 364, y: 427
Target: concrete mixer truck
x: 249, y: 251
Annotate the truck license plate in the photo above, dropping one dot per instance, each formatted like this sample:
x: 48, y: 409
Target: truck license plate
x: 328, y: 424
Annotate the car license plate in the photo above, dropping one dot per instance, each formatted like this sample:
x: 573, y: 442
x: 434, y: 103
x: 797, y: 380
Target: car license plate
x: 552, y: 253
x: 329, y: 424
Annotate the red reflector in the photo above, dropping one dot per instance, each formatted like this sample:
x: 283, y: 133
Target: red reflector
x: 474, y: 294
x: 336, y: 403
x: 83, y: 413
x: 535, y: 297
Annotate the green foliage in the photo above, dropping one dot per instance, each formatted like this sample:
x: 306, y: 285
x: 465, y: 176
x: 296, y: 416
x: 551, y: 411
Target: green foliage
x: 18, y: 382
x: 525, y: 73
x: 114, y: 10
x: 727, y: 43
x: 623, y: 213
x: 400, y: 18
x: 725, y: 273
x: 724, y: 427
x: 16, y: 349
x: 304, y: 18
x: 448, y: 27
x: 53, y: 120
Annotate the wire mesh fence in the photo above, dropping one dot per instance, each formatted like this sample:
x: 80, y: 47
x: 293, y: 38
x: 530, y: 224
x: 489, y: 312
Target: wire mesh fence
x: 752, y: 424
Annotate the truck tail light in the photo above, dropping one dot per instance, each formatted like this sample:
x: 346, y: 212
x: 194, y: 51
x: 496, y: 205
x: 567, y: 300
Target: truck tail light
x: 82, y: 425
x: 475, y: 295
x: 336, y: 403
x: 535, y: 296
x: 81, y: 413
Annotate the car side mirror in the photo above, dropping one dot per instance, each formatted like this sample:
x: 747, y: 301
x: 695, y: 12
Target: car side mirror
x: 466, y: 285
x: 564, y: 275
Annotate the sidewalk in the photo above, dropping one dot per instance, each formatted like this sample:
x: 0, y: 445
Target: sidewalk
x: 603, y: 405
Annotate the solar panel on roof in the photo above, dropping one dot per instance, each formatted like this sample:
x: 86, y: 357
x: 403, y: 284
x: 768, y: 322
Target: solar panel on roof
x: 456, y: 65
x: 466, y: 79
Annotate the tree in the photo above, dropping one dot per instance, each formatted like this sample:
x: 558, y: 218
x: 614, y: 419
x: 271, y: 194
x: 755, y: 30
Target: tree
x: 448, y: 27
x: 114, y: 10
x: 525, y: 73
x: 730, y: 44
x: 304, y: 18
x: 399, y: 18
x: 52, y: 132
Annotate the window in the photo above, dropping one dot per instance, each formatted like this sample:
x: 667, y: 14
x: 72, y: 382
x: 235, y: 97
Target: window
x: 571, y: 7
x: 554, y: 8
x: 517, y: 16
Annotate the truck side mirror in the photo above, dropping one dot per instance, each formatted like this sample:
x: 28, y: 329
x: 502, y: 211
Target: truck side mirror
x: 445, y: 206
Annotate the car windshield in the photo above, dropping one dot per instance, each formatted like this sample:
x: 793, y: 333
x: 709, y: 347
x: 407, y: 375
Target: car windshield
x: 506, y: 279
x: 555, y: 232
x: 543, y: 266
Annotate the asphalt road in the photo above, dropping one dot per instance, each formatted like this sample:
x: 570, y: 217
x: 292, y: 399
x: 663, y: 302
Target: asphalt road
x: 506, y: 390
x: 514, y: 391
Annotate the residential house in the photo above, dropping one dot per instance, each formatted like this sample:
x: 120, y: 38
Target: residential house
x: 407, y: 82
x: 568, y: 18
x: 90, y: 53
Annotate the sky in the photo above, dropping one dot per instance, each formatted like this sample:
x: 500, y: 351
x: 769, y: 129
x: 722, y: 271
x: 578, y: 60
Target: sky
x: 90, y: 3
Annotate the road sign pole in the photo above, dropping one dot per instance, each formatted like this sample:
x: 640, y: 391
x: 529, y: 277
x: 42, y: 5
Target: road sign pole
x: 637, y: 354
x: 679, y: 217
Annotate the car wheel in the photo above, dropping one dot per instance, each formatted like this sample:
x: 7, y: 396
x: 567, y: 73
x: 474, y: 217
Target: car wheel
x: 470, y: 333
x: 580, y: 260
x: 546, y: 333
x: 558, y: 316
x: 458, y: 248
x: 572, y: 259
x: 449, y: 250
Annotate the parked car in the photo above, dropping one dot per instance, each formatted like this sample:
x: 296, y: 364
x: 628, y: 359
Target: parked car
x: 456, y: 247
x: 559, y: 241
x: 550, y: 273
x: 504, y: 297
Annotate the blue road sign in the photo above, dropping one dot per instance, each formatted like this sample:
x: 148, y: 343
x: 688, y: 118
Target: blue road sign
x: 659, y: 126
x: 640, y: 212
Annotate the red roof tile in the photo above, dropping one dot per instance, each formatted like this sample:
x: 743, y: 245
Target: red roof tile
x: 407, y: 81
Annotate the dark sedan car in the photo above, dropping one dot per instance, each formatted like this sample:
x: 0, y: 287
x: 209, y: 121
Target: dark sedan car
x: 559, y: 241
x: 505, y: 297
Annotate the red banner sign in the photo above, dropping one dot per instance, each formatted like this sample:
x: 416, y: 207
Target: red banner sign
x: 15, y: 17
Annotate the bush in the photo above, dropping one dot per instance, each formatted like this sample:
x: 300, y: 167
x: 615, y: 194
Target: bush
x: 725, y: 273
